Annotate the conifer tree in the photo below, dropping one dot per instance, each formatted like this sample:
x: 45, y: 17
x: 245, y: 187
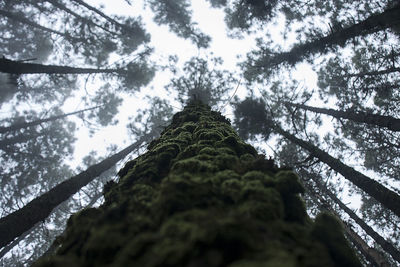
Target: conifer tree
x: 15, y: 67
x: 201, y: 196
x: 21, y: 125
x: 20, y: 221
x: 266, y: 61
x: 389, y: 122
x: 265, y: 125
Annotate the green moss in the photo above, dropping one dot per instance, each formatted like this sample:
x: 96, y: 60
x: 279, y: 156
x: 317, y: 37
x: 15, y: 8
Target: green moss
x: 84, y: 216
x: 56, y: 261
x: 201, y: 197
x: 208, y: 151
x: 295, y: 209
x: 226, y: 150
x: 186, y: 128
x: 247, y: 149
x: 265, y: 179
x: 104, y: 244
x: 246, y: 158
x: 190, y: 151
x: 232, y: 188
x: 288, y: 183
x: 143, y: 193
x: 254, y: 176
x: 206, y: 142
x: 225, y: 175
x: 327, y: 229
x: 267, y: 210
x: 111, y: 192
x: 146, y: 169
x: 128, y: 166
x: 189, y: 126
x: 226, y: 161
x: 167, y: 147
x: 204, y: 157
x: 193, y: 165
x: 208, y: 135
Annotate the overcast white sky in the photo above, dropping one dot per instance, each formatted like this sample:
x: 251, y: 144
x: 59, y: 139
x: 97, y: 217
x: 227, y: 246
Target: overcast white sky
x: 211, y: 22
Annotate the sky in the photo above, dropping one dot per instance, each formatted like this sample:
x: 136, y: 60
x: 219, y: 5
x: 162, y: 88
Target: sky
x: 211, y: 22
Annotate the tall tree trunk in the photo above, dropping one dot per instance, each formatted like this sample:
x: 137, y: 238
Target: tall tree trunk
x: 375, y: 257
x: 19, y: 126
x: 16, y: 223
x: 389, y: 122
x: 23, y: 20
x: 385, y: 196
x: 372, y: 255
x: 15, y: 67
x: 374, y: 23
x: 15, y: 242
x: 22, y: 138
x: 373, y: 73
x: 387, y: 246
x: 61, y: 6
x: 99, y: 12
x: 200, y: 196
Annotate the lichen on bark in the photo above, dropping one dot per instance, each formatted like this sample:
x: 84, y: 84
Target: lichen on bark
x: 201, y: 196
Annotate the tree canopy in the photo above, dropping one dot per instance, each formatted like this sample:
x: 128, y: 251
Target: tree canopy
x: 312, y: 84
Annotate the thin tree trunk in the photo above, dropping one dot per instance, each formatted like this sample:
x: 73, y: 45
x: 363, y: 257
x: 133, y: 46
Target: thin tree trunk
x: 389, y: 122
x: 18, y: 126
x: 15, y: 67
x: 22, y: 138
x: 16, y: 223
x: 52, y: 248
x: 99, y: 12
x: 15, y: 242
x: 374, y: 23
x: 21, y: 19
x: 126, y: 28
x: 387, y: 246
x: 373, y: 73
x: 61, y: 6
x: 371, y: 254
x: 385, y: 196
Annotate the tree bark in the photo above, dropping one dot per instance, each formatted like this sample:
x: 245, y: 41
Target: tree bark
x: 373, y: 73
x: 22, y: 138
x: 61, y: 6
x: 15, y: 242
x: 372, y: 255
x: 16, y: 223
x: 374, y: 23
x: 127, y: 30
x: 385, y: 196
x: 387, y: 246
x: 389, y: 122
x: 99, y: 12
x: 15, y: 67
x: 21, y: 19
x: 200, y: 196
x: 19, y: 126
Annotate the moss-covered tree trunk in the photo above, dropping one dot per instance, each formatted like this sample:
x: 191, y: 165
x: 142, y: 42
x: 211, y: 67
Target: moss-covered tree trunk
x: 201, y: 197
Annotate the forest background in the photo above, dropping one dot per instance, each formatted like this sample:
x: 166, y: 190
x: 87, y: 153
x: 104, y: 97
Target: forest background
x: 133, y: 65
